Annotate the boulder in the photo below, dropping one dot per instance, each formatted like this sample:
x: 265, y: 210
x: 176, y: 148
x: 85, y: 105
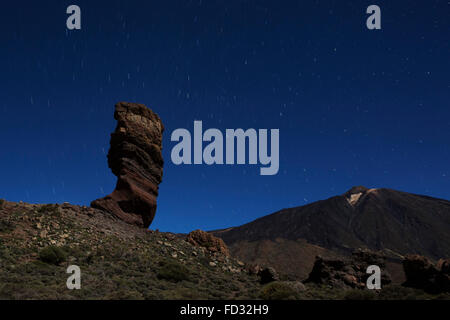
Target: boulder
x: 206, y: 240
x: 421, y: 273
x: 267, y: 275
x: 418, y: 269
x: 135, y: 158
x: 443, y: 266
x: 348, y: 272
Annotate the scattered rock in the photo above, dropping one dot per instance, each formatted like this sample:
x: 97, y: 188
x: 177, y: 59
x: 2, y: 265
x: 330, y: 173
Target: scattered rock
x: 234, y: 270
x: 351, y: 280
x: 170, y: 236
x: 135, y: 158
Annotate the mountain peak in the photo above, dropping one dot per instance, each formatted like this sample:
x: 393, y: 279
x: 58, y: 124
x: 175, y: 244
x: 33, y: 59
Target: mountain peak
x: 356, y: 189
x: 355, y: 193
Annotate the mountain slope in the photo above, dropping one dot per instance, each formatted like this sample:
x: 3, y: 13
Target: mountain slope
x: 380, y: 219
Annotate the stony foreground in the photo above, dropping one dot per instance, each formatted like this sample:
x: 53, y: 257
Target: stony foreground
x: 117, y: 260
x: 122, y: 261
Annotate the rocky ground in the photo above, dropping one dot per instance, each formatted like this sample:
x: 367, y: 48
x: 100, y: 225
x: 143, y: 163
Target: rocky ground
x: 117, y: 260
x: 122, y: 261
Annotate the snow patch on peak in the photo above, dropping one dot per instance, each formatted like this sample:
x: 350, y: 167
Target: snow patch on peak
x: 353, y: 199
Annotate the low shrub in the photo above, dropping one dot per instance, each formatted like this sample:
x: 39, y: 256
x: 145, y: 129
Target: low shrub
x: 6, y: 226
x: 172, y: 271
x: 278, y: 291
x: 360, y: 294
x: 50, y: 209
x: 52, y: 255
x: 398, y: 292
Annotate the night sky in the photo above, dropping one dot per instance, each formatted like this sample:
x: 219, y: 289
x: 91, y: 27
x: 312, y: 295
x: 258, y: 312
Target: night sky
x: 354, y: 106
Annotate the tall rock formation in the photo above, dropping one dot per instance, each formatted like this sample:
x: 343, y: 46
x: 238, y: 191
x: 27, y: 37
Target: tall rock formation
x: 135, y: 158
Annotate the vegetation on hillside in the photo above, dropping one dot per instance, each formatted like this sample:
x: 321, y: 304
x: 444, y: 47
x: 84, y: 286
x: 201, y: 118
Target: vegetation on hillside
x: 120, y: 261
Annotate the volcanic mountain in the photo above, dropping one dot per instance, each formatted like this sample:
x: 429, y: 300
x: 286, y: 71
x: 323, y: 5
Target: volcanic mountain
x: 395, y: 222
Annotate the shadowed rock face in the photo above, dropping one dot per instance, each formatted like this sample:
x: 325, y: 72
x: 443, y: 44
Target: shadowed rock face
x: 348, y: 272
x: 421, y: 273
x: 135, y: 158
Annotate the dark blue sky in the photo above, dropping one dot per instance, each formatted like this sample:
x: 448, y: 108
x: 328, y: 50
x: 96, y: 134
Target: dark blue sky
x: 354, y: 107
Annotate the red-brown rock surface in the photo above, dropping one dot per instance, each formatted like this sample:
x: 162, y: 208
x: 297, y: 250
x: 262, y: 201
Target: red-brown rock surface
x: 206, y: 240
x: 444, y: 266
x: 421, y: 273
x: 135, y: 158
